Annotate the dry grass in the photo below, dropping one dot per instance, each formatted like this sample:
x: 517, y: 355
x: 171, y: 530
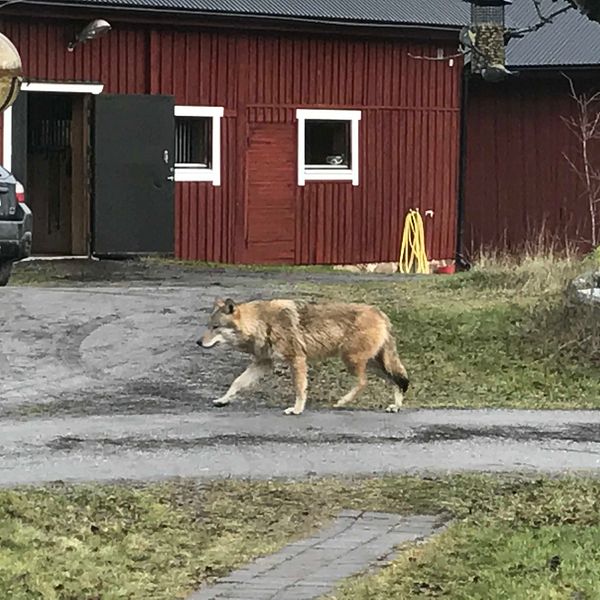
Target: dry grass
x: 540, y: 267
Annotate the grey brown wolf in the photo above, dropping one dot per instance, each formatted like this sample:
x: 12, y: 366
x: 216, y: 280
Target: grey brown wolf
x: 300, y: 332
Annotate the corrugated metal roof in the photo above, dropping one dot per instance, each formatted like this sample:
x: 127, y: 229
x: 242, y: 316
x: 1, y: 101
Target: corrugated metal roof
x: 453, y: 13
x: 571, y: 39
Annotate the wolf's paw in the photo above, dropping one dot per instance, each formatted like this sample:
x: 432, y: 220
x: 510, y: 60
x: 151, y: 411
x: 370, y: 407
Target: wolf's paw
x: 393, y: 408
x: 291, y: 411
x: 340, y: 404
x: 221, y: 402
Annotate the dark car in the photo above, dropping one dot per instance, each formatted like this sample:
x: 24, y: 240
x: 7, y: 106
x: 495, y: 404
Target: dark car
x: 15, y: 224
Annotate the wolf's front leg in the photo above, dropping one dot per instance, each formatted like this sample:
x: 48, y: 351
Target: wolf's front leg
x: 299, y: 371
x: 255, y: 371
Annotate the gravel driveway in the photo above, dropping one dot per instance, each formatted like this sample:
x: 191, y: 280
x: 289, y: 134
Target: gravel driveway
x: 104, y: 349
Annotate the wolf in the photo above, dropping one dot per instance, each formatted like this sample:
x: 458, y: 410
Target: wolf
x: 301, y: 332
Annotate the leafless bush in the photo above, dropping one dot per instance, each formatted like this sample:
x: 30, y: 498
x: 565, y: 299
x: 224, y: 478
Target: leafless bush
x: 585, y: 126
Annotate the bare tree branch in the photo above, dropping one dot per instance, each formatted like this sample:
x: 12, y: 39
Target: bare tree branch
x: 543, y: 20
x: 436, y: 58
x: 585, y: 126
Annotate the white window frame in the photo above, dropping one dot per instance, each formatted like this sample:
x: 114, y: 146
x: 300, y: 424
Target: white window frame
x: 307, y: 173
x: 211, y: 174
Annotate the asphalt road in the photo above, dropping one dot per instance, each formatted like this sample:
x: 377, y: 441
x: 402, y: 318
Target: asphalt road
x: 266, y: 444
x: 106, y: 383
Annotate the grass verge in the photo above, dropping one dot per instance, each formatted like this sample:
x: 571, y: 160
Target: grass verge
x: 151, y: 270
x: 491, y: 561
x: 512, y: 538
x: 501, y: 336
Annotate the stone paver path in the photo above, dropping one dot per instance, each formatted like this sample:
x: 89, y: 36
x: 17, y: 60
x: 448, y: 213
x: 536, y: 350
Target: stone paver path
x: 312, y: 567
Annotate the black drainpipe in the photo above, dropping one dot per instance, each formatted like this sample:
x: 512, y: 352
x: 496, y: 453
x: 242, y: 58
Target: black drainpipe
x: 462, y: 264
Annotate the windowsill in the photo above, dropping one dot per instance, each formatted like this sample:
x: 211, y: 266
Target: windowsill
x: 326, y: 167
x: 330, y: 175
x: 207, y: 175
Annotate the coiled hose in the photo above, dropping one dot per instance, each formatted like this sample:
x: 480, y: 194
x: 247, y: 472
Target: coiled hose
x: 413, y: 255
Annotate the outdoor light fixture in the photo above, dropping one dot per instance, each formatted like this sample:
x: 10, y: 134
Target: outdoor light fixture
x: 11, y: 73
x: 485, y: 38
x: 91, y: 31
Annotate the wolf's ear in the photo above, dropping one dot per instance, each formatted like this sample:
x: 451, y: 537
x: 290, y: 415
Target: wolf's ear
x: 219, y: 302
x: 229, y: 306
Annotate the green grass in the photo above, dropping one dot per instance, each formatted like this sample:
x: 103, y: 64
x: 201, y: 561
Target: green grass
x: 202, y: 265
x: 159, y: 541
x: 149, y: 269
x: 475, y: 562
x: 499, y: 336
x: 535, y: 541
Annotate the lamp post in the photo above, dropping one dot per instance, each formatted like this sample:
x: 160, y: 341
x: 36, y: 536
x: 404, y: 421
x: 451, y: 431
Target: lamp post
x: 11, y: 73
x: 486, y: 38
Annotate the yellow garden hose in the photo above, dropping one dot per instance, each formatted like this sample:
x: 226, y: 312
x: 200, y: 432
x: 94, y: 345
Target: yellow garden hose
x: 413, y: 256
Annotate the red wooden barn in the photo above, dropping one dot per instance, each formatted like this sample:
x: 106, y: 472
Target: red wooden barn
x: 285, y: 132
x: 254, y: 132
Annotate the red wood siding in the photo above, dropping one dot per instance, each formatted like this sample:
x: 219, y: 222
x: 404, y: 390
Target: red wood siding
x: 408, y: 132
x: 518, y: 183
x: 270, y: 194
x: 408, y: 141
x: 406, y: 162
x: 202, y: 69
x: 120, y: 61
x: 205, y: 214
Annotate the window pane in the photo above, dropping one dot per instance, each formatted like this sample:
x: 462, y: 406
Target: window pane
x: 193, y: 141
x: 328, y: 144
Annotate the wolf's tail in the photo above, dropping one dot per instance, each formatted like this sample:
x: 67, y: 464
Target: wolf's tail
x: 390, y: 363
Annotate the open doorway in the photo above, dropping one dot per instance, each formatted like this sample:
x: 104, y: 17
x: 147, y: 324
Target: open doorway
x: 57, y: 167
x: 96, y: 184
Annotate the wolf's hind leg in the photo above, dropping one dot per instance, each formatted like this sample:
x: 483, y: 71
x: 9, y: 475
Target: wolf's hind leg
x: 378, y: 369
x: 255, y: 371
x: 299, y: 371
x: 358, y: 368
x: 389, y: 367
x: 398, y: 401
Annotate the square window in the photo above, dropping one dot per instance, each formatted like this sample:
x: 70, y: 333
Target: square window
x: 198, y: 143
x: 193, y: 142
x: 328, y: 145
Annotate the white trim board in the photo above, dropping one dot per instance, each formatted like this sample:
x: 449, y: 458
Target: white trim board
x: 326, y: 114
x: 213, y: 174
x: 199, y: 111
x: 64, y: 88
x: 7, y: 124
x: 316, y: 174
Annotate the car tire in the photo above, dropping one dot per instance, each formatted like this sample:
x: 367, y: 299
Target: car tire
x: 5, y: 271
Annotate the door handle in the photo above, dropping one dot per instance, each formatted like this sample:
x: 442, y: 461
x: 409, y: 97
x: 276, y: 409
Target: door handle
x: 171, y: 178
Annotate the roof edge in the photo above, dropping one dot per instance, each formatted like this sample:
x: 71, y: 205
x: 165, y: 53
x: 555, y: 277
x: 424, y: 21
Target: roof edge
x: 183, y: 12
